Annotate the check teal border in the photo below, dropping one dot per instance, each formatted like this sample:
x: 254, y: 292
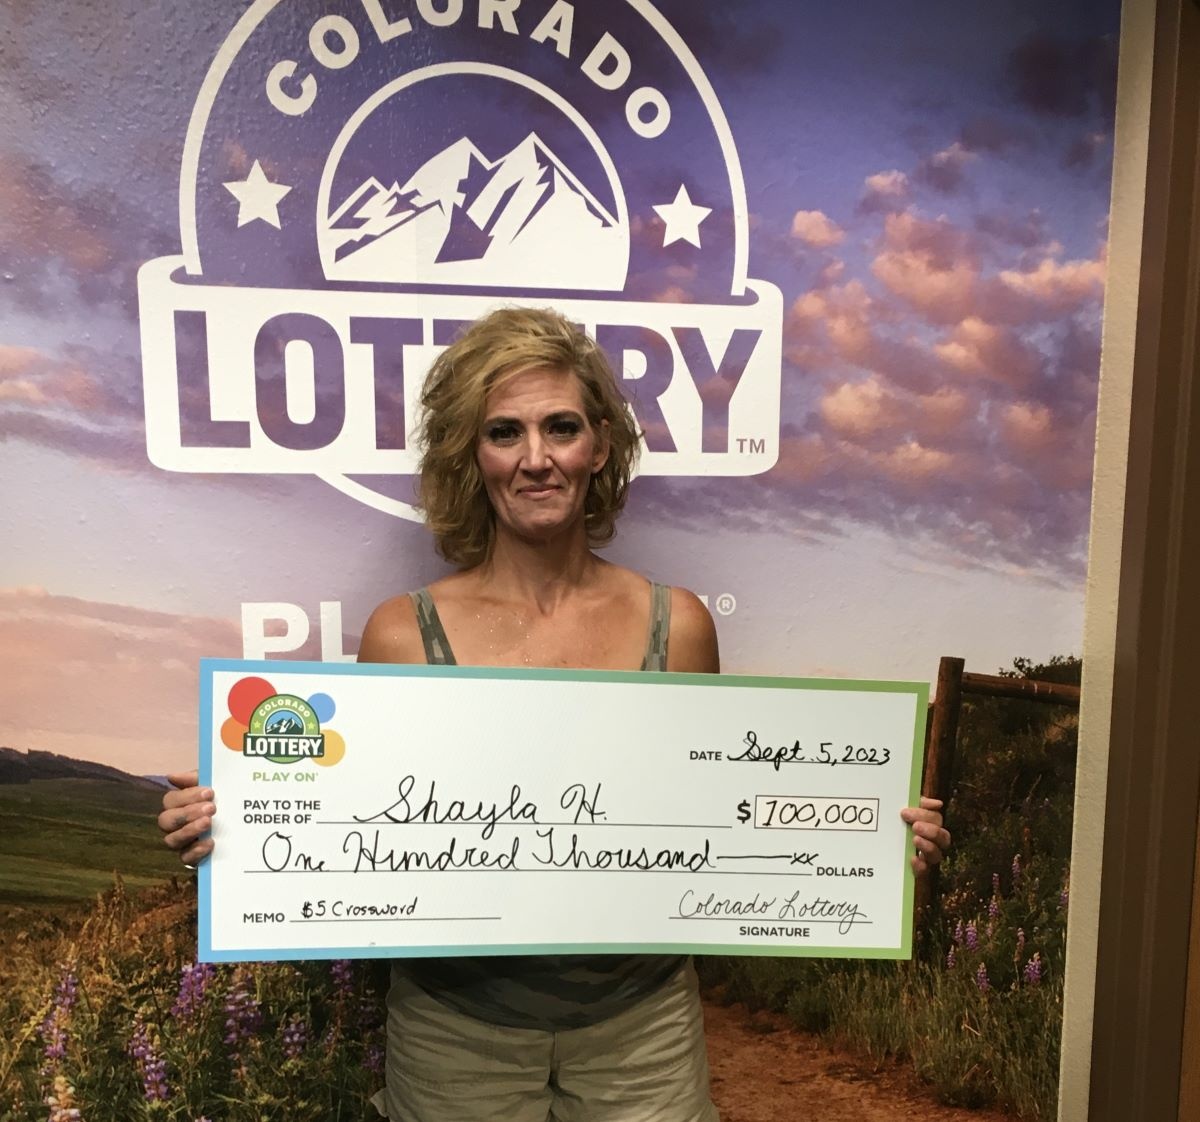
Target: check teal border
x: 211, y: 666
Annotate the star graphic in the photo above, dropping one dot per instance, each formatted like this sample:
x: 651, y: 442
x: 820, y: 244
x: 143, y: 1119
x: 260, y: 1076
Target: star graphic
x: 682, y: 218
x: 257, y: 197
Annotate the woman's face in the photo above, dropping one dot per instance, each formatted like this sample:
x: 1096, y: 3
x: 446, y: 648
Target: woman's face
x: 537, y: 452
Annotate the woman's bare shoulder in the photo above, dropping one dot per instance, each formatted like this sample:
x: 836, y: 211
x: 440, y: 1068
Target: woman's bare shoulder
x: 392, y: 633
x: 692, y: 644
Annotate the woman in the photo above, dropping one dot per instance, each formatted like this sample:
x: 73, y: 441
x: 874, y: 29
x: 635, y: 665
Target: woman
x: 528, y: 453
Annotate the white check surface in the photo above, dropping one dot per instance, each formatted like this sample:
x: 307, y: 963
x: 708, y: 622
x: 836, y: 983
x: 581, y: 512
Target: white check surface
x: 498, y: 812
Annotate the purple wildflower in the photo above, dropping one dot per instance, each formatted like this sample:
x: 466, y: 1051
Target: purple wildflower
x: 1064, y: 896
x: 995, y: 884
x: 150, y: 1065
x: 951, y: 959
x: 958, y: 932
x: 1020, y: 942
x: 1033, y: 970
x: 981, y: 979
x: 972, y: 936
x: 373, y: 1060
x: 343, y: 978
x: 993, y: 907
x: 194, y: 980
x: 295, y: 1036
x: 369, y: 1013
x: 53, y: 1029
x: 243, y: 1017
x: 1016, y: 869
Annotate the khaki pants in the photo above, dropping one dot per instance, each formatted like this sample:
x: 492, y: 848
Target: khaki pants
x: 647, y: 1064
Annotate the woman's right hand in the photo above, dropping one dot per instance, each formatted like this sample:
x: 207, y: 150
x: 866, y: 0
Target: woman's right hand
x: 187, y: 814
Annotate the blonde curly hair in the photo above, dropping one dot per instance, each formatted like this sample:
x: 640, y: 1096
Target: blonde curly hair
x: 498, y: 346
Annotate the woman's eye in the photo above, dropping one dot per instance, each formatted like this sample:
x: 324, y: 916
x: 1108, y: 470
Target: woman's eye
x: 565, y: 428
x: 502, y: 434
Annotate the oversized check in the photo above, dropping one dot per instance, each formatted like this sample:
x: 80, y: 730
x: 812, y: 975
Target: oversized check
x: 368, y: 810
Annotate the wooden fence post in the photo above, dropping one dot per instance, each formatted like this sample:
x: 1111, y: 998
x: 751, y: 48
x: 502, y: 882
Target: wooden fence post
x: 939, y: 768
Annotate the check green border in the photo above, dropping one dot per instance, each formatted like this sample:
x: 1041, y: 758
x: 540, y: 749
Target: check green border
x: 212, y: 666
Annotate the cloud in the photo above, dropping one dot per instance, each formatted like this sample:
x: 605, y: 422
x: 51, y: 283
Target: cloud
x: 64, y: 244
x: 102, y: 681
x: 937, y: 269
x: 1054, y: 287
x: 944, y: 171
x: 1024, y: 231
x: 837, y: 313
x: 1082, y: 152
x: 931, y: 265
x: 946, y: 391
x: 884, y: 192
x: 80, y: 402
x: 994, y: 135
x: 1059, y: 77
x: 857, y: 409
x: 980, y: 349
x: 816, y: 229
x: 15, y: 361
x: 864, y: 410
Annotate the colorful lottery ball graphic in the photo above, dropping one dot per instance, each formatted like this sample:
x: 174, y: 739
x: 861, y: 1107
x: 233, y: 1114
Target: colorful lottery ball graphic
x: 322, y: 704
x: 246, y: 695
x: 232, y: 734
x: 335, y: 749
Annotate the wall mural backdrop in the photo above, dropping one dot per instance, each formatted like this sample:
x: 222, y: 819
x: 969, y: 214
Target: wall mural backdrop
x: 849, y: 261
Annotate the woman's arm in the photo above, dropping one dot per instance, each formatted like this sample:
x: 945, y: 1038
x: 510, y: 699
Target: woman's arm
x: 692, y: 642
x: 392, y: 633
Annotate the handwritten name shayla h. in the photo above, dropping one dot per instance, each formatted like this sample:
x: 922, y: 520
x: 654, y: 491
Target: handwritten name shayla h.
x: 369, y: 853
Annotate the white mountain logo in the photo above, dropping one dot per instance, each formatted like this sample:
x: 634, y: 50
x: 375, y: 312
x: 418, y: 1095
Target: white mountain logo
x: 522, y: 221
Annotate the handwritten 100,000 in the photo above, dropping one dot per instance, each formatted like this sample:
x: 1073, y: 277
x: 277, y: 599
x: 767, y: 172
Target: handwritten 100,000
x: 795, y: 754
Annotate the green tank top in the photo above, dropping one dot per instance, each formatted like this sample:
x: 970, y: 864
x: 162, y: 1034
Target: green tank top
x: 549, y: 992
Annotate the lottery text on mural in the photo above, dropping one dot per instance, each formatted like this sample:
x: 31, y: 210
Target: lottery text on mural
x: 357, y: 186
x: 404, y: 820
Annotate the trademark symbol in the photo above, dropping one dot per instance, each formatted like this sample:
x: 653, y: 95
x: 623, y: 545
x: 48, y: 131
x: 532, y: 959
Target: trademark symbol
x: 726, y: 604
x: 755, y: 445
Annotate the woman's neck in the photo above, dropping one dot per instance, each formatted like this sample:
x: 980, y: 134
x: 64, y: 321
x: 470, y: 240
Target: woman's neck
x: 540, y: 573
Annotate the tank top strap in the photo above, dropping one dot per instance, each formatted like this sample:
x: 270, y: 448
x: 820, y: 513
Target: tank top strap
x: 660, y: 627
x: 433, y: 635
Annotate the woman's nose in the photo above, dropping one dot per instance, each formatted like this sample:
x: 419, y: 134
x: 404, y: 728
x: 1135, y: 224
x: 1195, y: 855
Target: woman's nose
x: 537, y: 453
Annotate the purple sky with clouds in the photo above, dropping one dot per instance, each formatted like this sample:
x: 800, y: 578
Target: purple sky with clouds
x: 927, y: 186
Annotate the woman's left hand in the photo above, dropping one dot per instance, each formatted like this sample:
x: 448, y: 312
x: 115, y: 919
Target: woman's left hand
x: 931, y: 838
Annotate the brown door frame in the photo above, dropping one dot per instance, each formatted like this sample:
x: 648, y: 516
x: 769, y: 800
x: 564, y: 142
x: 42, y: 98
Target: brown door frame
x: 1145, y: 691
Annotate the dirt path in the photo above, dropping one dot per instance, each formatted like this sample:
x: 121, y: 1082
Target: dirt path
x: 763, y: 1070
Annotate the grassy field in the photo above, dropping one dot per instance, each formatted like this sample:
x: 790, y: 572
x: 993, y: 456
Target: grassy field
x: 62, y: 840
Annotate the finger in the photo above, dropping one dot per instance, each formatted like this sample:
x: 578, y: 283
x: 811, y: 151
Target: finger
x: 173, y: 817
x: 172, y: 800
x: 932, y: 831
x: 194, y: 854
x: 939, y: 839
x: 931, y: 804
x: 912, y: 814
x: 182, y: 827
x: 928, y: 851
x: 184, y: 778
